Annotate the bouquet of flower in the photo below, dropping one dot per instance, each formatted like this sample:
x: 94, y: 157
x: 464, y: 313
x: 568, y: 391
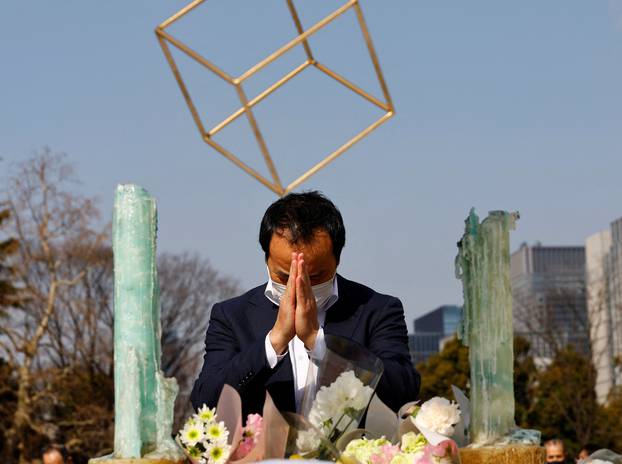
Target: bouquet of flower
x: 216, y: 436
x: 414, y: 449
x: 335, y: 409
x: 339, y: 386
x: 424, y: 435
x: 204, y: 438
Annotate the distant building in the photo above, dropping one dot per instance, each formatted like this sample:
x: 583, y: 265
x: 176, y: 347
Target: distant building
x: 444, y: 319
x: 431, y: 329
x: 604, y: 290
x: 548, y: 298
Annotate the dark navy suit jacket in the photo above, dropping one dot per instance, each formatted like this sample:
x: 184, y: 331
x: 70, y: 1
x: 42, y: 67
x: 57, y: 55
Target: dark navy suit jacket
x: 235, y: 351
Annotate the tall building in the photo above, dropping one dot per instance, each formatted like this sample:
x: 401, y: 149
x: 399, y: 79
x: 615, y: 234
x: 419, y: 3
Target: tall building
x: 548, y: 298
x: 431, y: 329
x: 604, y: 299
x: 444, y: 320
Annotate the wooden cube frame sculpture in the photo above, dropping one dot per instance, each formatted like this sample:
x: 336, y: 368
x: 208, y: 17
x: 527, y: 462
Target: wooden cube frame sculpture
x: 165, y: 38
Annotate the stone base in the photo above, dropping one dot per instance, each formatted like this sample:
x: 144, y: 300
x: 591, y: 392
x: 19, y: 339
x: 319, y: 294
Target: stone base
x: 507, y: 454
x: 140, y: 461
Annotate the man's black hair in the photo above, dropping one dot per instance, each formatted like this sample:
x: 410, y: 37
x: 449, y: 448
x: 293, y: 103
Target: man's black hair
x: 303, y: 214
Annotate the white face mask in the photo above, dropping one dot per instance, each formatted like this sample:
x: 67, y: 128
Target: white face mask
x: 322, y: 292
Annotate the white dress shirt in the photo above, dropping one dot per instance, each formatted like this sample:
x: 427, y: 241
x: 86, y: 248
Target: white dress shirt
x: 298, y: 354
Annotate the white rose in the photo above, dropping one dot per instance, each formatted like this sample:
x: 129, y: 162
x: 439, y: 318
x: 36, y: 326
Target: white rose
x: 438, y: 415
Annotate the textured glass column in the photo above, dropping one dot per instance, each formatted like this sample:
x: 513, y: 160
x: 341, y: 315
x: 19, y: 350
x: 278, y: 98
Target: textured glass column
x: 143, y: 397
x: 483, y: 265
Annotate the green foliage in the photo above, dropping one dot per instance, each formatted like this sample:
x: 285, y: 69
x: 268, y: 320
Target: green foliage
x: 525, y: 377
x: 451, y: 367
x: 447, y: 368
x: 610, y: 430
x: 559, y: 400
x: 565, y: 401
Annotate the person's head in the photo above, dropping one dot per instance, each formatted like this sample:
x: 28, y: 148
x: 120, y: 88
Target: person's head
x: 56, y: 454
x: 307, y: 223
x: 586, y: 450
x: 555, y: 451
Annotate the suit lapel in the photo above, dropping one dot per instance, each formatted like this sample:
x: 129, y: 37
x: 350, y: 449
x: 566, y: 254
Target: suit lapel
x: 261, y: 312
x: 341, y: 318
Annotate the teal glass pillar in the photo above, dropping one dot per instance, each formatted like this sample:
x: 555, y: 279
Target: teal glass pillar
x: 483, y: 265
x: 143, y: 397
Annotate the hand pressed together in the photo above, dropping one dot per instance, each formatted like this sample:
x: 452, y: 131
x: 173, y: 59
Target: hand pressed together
x: 307, y: 325
x: 297, y: 309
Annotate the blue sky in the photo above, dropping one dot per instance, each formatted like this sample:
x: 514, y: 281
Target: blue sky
x: 500, y: 105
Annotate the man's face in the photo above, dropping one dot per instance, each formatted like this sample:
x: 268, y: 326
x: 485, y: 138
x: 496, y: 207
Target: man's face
x: 318, y: 255
x: 555, y: 453
x: 53, y: 457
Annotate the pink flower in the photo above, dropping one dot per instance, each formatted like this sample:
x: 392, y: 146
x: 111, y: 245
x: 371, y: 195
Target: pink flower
x: 387, y: 452
x: 254, y: 426
x: 445, y: 450
x: 250, y: 436
x: 243, y: 449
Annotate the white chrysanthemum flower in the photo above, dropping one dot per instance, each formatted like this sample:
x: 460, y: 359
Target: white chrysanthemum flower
x: 206, y: 414
x: 438, y: 415
x: 217, y: 432
x: 217, y: 454
x: 194, y: 452
x: 191, y: 434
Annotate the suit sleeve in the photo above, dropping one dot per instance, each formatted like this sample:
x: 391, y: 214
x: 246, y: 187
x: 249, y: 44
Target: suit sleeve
x: 225, y: 363
x: 400, y: 381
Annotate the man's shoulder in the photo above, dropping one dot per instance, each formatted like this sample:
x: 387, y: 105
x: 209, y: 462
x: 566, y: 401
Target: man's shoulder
x: 362, y: 293
x: 252, y: 296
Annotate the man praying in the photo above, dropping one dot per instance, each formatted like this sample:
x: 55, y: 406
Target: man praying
x: 263, y: 340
